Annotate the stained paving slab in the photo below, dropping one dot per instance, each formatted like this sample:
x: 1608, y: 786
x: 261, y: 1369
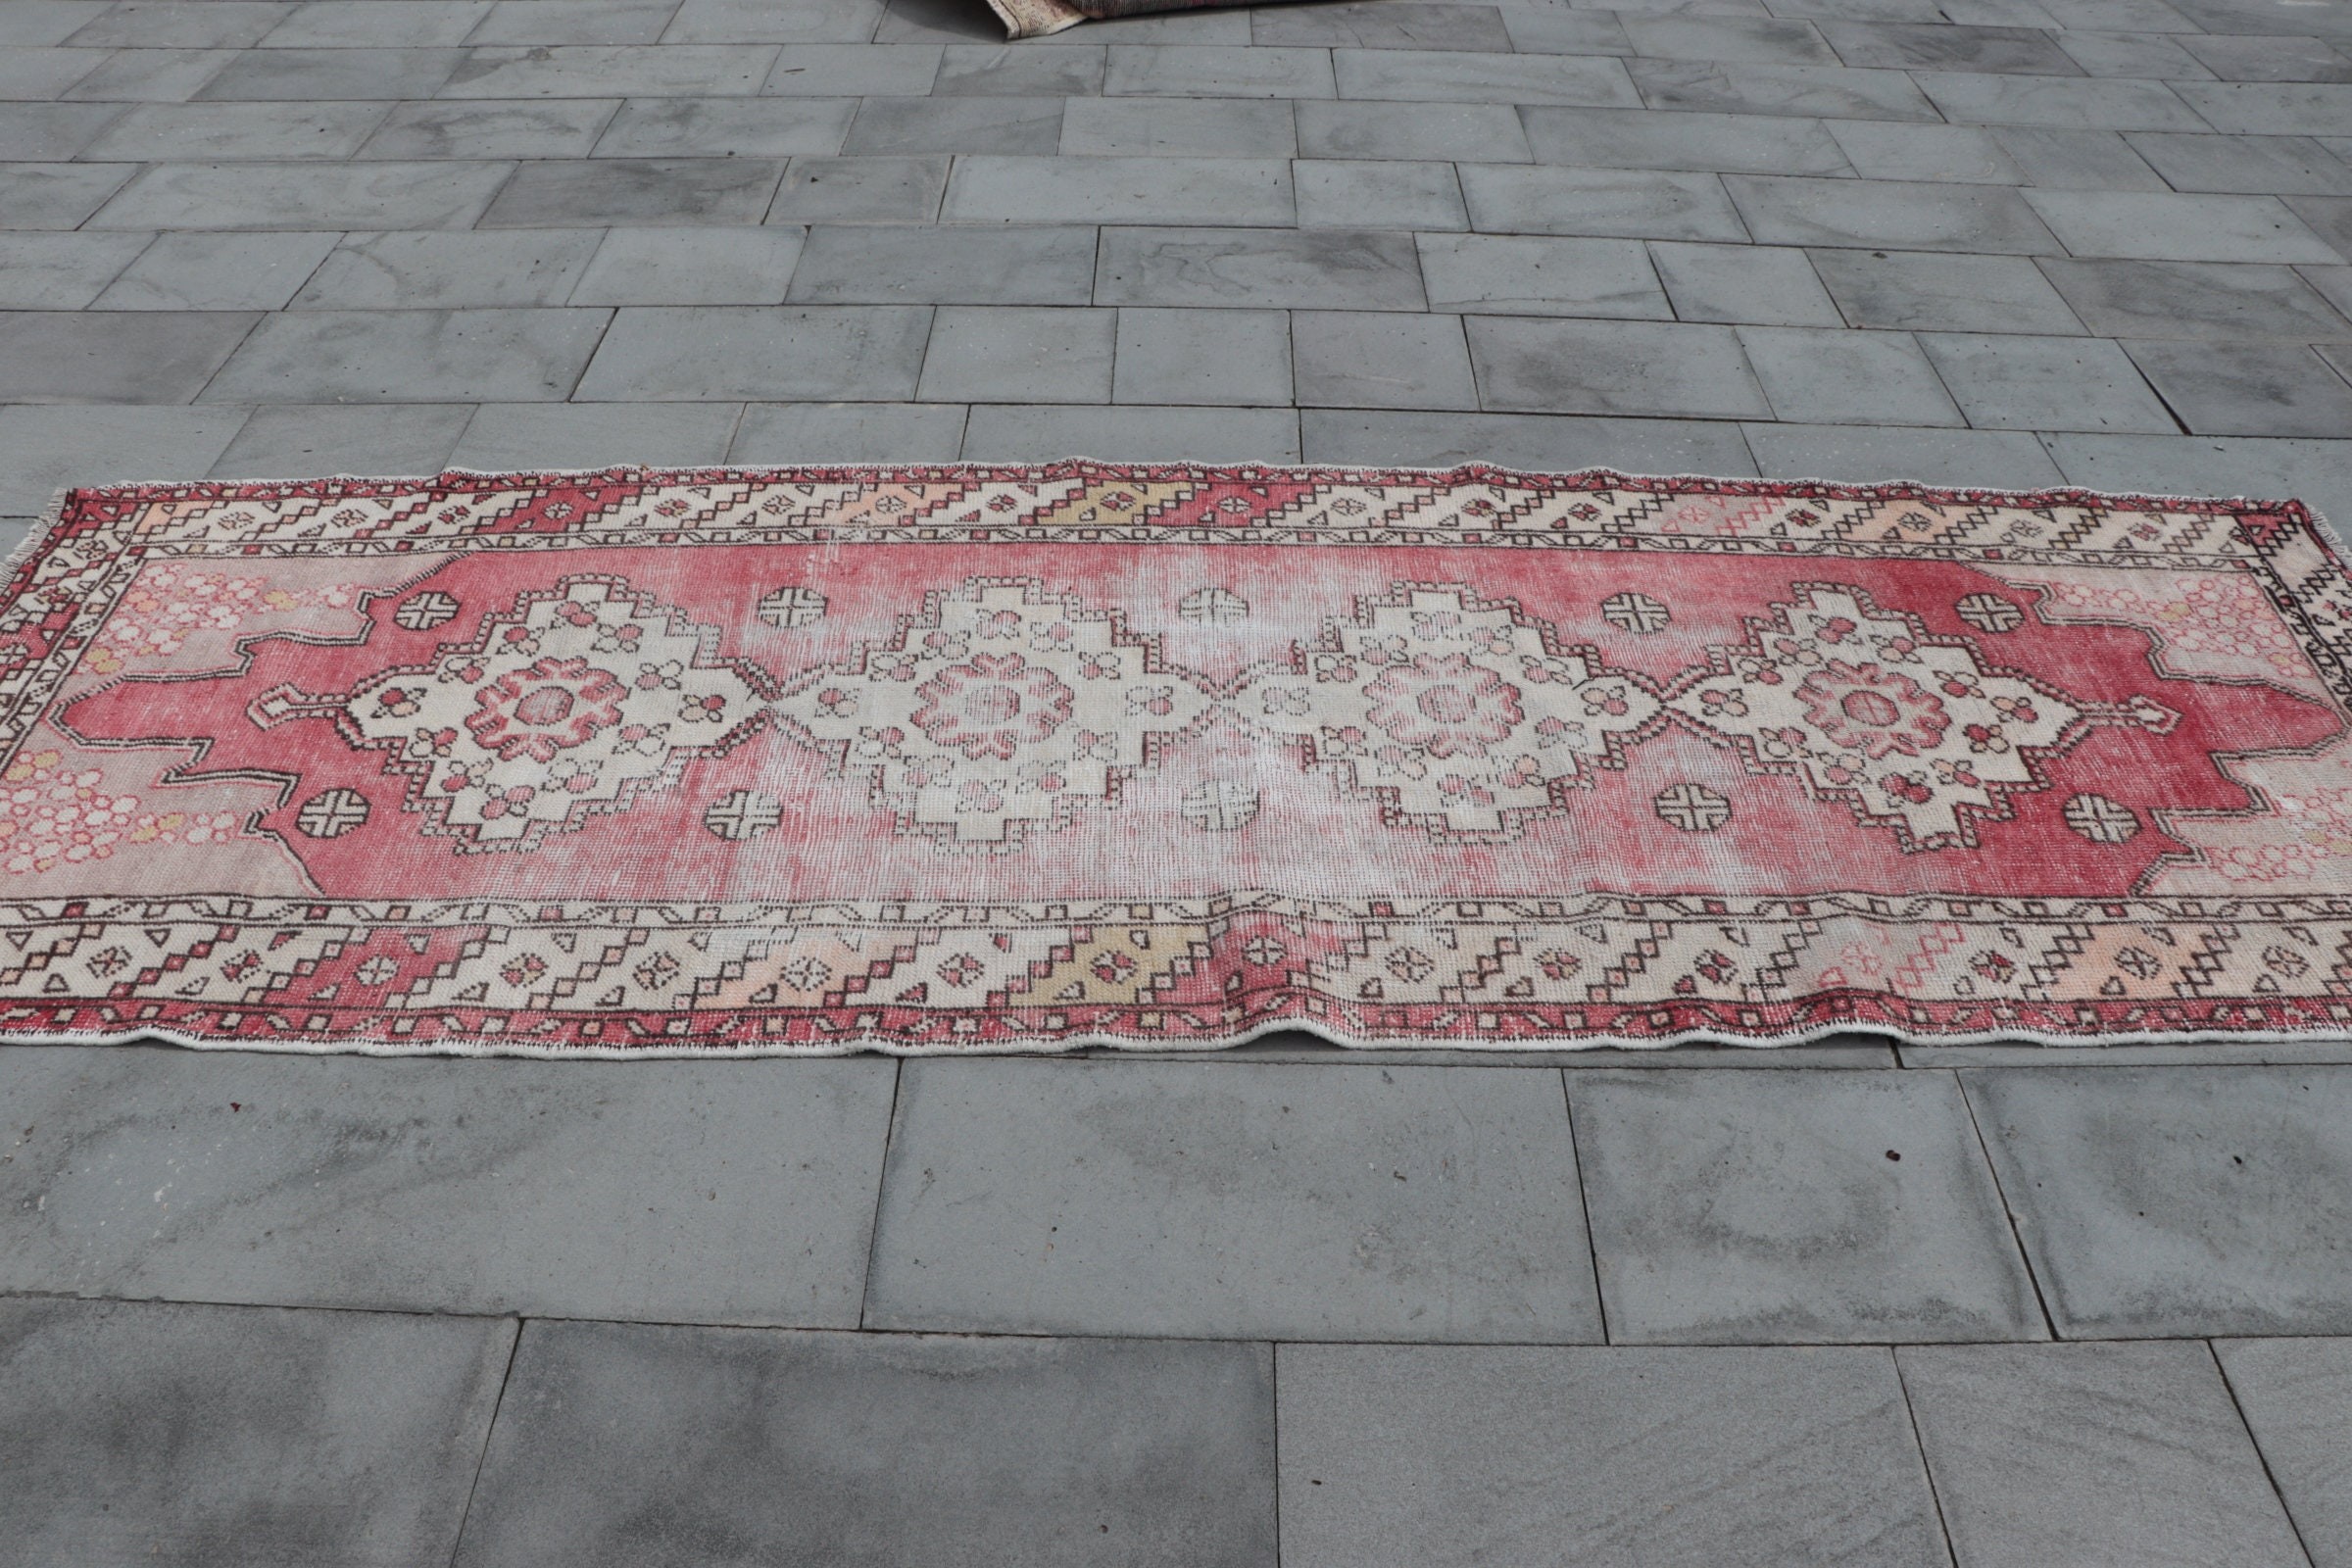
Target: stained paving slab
x: 2097, y: 242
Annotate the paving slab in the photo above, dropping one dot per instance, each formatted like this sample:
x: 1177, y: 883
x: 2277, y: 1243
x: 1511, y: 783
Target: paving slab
x: 2178, y: 227
x: 2008, y: 459
x: 185, y: 132
x: 1177, y: 127
x: 1222, y: 356
x: 574, y: 22
x: 1639, y: 204
x: 2284, y: 165
x: 234, y: 25
x: 1460, y: 77
x: 2009, y: 381
x: 999, y: 432
x: 2283, y: 109
x: 737, y: 353
x: 1432, y: 439
x: 1899, y: 150
x: 2056, y: 158
x: 307, y: 196
x: 1010, y: 354
x: 1218, y: 71
x: 2296, y: 1396
x: 2316, y: 472
x: 111, y: 357
x: 859, y: 265
x: 2178, y: 1201
x: 1624, y: 367
x: 2093, y: 1455
x: 58, y: 195
x: 709, y: 1192
x: 1967, y: 98
x: 54, y: 272
x: 127, y: 76
x: 361, y: 24
x: 899, y: 126
x: 1745, y: 1207
x: 1232, y: 1201
x: 2221, y: 302
x: 1752, y: 40
x: 1825, y: 376
x: 1514, y: 275
x: 1390, y: 24
x: 706, y: 265
x: 786, y: 433
x: 574, y: 193
x: 145, y: 1432
x: 625, y: 1445
x: 1943, y: 292
x: 852, y: 69
x: 433, y: 267
x: 1335, y: 193
x: 44, y: 450
x: 504, y: 437
x: 860, y: 190
x: 1330, y: 269
x: 1908, y: 46
x: 616, y: 71
x: 2146, y: 56
x: 429, y: 356
x: 1890, y: 215
x: 723, y: 127
x: 1425, y: 1455
x: 290, y: 443
x: 1743, y: 284
x: 564, y: 127
x: 47, y: 131
x: 1120, y: 190
x: 1733, y: 145
x: 1070, y: 72
x: 1484, y: 133
x: 330, y: 75
x: 2289, y: 1052
x: 2261, y: 389
x: 1808, y: 91
x: 759, y: 21
x: 1381, y: 360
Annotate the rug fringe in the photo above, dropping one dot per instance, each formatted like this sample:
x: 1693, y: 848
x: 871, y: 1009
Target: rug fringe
x: 1035, y: 19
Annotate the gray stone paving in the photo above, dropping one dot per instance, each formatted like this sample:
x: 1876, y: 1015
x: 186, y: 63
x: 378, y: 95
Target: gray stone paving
x: 1691, y: 1307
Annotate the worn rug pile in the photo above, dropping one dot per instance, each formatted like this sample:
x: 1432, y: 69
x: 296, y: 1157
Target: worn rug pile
x: 962, y: 759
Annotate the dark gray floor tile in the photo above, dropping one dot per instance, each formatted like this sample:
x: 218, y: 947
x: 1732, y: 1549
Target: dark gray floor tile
x: 42, y: 132
x: 855, y: 70
x: 2079, y: 103
x: 616, y: 71
x: 198, y: 272
x: 173, y: 24
x: 1556, y: 30
x: 2218, y: 301
x: 1825, y: 375
x: 2296, y: 1395
x: 2263, y: 389
x: 141, y: 1432
x: 2093, y: 1456
x: 1390, y: 24
x: 2008, y: 381
x: 1908, y: 46
x: 1232, y: 1201
x: 57, y: 195
x: 326, y: 74
x: 1736, y: 144
x: 1810, y: 91
x: 182, y: 132
x: 1751, y: 40
x: 511, y: 436
x: 1433, y: 1455
x: 860, y: 190
x: 2335, y: 284
x: 723, y: 354
x: 1177, y: 127
x: 1014, y: 354
x: 1218, y: 71
x: 2281, y: 166
x: 1234, y: 358
x: 861, y: 264
x: 690, y: 267
x: 484, y: 355
x: 60, y: 271
x: 1749, y: 283
x: 128, y: 75
x: 300, y: 443
x: 724, y: 127
x: 574, y: 22
x: 2316, y: 473
x: 1856, y: 454
x: 35, y: 74
x: 2180, y: 1200
x: 572, y: 193
x: 2177, y: 228
x: 113, y: 356
x: 1039, y: 433
x: 1333, y: 269
x: 1899, y: 150
x: 621, y: 1444
x: 2203, y: 1053
x: 42, y: 450
x: 1931, y: 291
x: 1493, y: 274
x: 1332, y: 193
x: 764, y: 21
x: 1120, y: 190
x: 1890, y: 215
x: 2059, y: 159
x: 1426, y: 439
x: 2329, y: 217
x: 433, y: 268
x: 576, y: 1189
x: 1636, y: 203
x: 2146, y: 56
x: 2272, y: 59
x: 2266, y: 109
x: 1070, y: 72
x: 2263, y: 16
x: 1381, y: 360
x: 1759, y: 1207
x: 1459, y: 78
x: 562, y: 128
x: 366, y: 23
x: 2119, y: 16
x: 849, y: 432
x: 1480, y: 133
x: 975, y: 124
x: 306, y: 196
x: 1626, y: 368
x: 39, y: 24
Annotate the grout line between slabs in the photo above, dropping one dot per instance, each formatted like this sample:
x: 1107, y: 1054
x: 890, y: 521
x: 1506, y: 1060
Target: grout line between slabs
x: 873, y: 1227
x: 2259, y: 1458
x: 498, y: 1403
x: 2016, y: 1235
x: 1920, y: 1447
x: 1575, y: 1155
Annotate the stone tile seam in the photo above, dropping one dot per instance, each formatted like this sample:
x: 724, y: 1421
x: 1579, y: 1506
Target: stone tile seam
x: 2016, y: 1235
x: 1919, y: 1445
x: 2261, y: 1456
x: 1584, y: 1196
x: 498, y: 1403
x: 873, y: 1224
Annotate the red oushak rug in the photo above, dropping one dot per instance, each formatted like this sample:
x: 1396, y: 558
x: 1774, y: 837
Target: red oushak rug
x: 1024, y: 757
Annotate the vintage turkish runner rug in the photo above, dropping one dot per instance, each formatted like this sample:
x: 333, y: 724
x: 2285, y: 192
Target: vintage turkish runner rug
x: 1025, y: 757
